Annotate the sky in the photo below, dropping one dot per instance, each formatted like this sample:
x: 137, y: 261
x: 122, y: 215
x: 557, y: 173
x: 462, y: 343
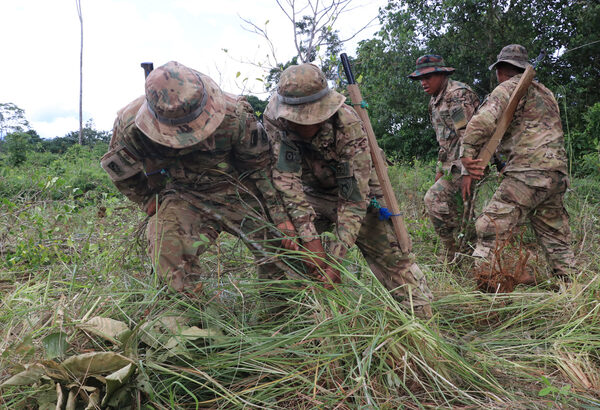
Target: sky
x: 39, y: 67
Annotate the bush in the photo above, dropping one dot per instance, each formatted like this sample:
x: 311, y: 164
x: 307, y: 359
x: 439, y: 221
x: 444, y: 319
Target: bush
x: 16, y: 146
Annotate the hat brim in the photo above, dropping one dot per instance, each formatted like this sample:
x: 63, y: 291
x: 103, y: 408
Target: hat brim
x: 516, y: 63
x: 189, y: 133
x: 428, y: 70
x: 306, y: 114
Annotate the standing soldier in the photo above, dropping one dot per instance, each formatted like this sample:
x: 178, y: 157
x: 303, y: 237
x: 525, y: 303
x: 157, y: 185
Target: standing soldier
x: 324, y: 174
x: 535, y: 175
x: 195, y: 160
x: 451, y: 106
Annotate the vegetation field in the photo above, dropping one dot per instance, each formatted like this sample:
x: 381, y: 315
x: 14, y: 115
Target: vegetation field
x: 85, y: 322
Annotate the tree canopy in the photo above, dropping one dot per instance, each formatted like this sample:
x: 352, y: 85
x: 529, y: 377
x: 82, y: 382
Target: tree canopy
x: 469, y: 35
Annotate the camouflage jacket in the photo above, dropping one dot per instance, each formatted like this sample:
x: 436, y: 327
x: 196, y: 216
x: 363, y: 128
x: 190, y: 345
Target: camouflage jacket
x: 450, y: 111
x: 534, y: 139
x: 235, y: 158
x: 335, y: 163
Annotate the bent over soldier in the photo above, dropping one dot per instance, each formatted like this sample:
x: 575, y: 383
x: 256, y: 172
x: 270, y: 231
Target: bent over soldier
x: 535, y: 175
x: 324, y: 174
x: 451, y: 106
x: 195, y: 160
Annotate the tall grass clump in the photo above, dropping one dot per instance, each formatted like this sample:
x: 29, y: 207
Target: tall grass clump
x: 75, y: 285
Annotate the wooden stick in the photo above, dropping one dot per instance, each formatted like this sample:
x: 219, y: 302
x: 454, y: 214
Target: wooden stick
x: 490, y: 147
x: 378, y: 162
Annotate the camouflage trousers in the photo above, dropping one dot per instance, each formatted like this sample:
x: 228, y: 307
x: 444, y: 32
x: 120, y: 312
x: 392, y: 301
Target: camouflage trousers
x: 377, y: 241
x: 538, y: 197
x: 441, y: 201
x: 180, y: 232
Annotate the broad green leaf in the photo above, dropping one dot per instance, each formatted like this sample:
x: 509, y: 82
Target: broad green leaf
x: 25, y: 348
x: 117, y: 380
x: 55, y: 370
x: 546, y: 390
x: 238, y: 74
x: 95, y: 363
x: 176, y: 344
x: 565, y: 389
x: 142, y: 383
x: 193, y: 333
x: 120, y: 399
x: 29, y: 376
x: 106, y: 328
x: 55, y: 345
x: 48, y: 398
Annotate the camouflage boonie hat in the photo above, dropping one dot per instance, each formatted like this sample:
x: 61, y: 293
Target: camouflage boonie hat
x: 182, y: 107
x: 430, y: 63
x: 303, y: 96
x: 514, y: 54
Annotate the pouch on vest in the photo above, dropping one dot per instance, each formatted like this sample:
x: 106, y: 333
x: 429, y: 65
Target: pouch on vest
x: 289, y: 159
x: 347, y: 183
x: 458, y: 118
x: 120, y: 164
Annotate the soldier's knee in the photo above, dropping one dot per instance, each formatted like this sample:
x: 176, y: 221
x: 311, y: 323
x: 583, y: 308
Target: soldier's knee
x: 486, y: 226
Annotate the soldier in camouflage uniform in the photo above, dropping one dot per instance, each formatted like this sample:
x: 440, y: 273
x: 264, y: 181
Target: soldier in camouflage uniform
x: 324, y: 174
x: 535, y: 175
x: 196, y: 161
x: 451, y: 106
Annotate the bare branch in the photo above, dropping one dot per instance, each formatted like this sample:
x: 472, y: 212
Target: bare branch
x: 261, y: 32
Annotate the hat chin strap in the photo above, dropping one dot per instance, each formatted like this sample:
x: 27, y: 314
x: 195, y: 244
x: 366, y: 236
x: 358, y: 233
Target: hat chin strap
x: 189, y: 117
x: 303, y: 100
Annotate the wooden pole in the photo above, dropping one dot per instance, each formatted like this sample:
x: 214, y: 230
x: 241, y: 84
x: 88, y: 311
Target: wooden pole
x: 378, y: 162
x: 490, y: 147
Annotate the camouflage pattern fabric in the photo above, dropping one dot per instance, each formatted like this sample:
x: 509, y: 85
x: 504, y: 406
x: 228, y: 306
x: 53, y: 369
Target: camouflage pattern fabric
x: 430, y: 63
x: 534, y: 140
x: 182, y: 106
x: 516, y: 201
x: 336, y: 161
x: 441, y: 201
x: 232, y: 166
x: 304, y: 97
x: 180, y: 232
x: 536, y: 169
x: 450, y: 111
x: 377, y: 241
x: 514, y: 54
x: 330, y: 179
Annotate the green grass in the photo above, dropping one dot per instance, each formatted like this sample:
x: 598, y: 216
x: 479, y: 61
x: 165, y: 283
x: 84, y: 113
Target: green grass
x: 70, y: 253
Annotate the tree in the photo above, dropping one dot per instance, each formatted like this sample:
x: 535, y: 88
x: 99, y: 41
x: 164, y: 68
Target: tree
x: 12, y: 119
x: 469, y: 35
x: 90, y: 137
x: 78, y: 4
x: 16, y: 146
x: 257, y: 104
x: 314, y: 36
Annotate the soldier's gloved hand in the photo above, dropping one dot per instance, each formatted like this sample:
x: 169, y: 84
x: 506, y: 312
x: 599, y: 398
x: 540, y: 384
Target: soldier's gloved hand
x: 332, y: 274
x: 317, y: 261
x: 152, y: 207
x: 287, y: 228
x: 438, y: 175
x: 473, y: 167
x: 467, y: 181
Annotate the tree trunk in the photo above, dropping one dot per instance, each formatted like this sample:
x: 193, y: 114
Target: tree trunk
x: 78, y: 3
